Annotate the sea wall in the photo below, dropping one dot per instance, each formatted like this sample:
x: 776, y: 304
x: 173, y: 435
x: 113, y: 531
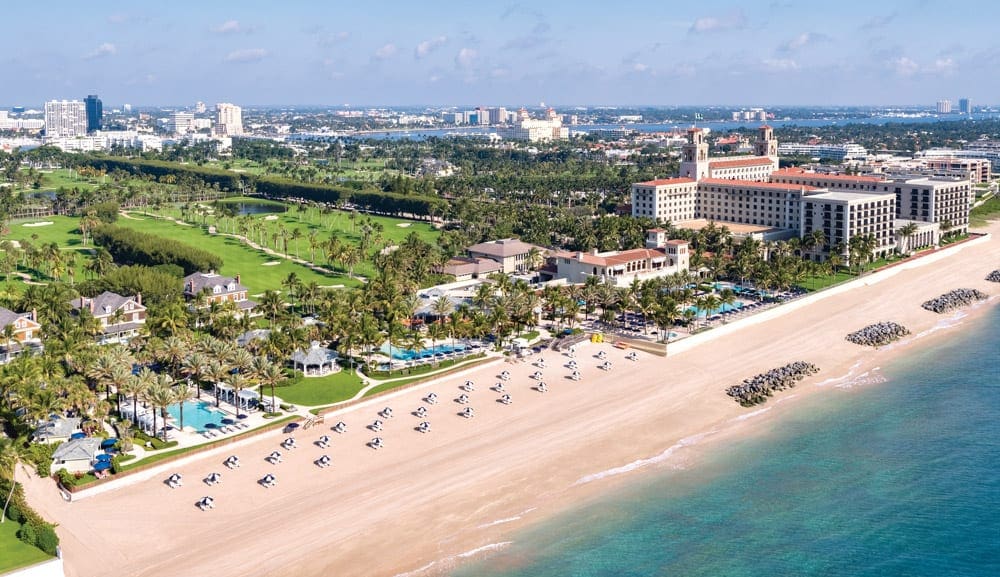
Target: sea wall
x: 808, y: 300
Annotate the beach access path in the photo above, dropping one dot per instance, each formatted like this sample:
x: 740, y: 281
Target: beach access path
x: 415, y: 505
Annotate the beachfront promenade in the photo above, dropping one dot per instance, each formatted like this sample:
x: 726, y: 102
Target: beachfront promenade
x: 424, y: 498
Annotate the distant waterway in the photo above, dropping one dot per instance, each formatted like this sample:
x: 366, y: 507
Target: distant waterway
x: 485, y: 131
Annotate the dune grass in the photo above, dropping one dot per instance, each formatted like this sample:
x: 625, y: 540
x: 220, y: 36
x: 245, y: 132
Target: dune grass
x: 13, y: 553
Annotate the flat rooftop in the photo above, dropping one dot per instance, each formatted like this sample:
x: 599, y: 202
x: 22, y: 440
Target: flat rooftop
x: 844, y: 196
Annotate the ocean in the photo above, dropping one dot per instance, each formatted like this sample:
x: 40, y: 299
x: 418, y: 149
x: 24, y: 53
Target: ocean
x: 900, y: 478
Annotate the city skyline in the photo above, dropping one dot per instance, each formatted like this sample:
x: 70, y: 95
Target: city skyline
x: 559, y: 52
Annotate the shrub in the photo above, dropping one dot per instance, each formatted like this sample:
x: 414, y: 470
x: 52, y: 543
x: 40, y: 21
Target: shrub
x: 27, y: 534
x: 40, y: 455
x: 46, y: 538
x: 14, y: 513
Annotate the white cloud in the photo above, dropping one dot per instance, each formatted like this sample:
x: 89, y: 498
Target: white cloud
x: 904, y: 66
x: 465, y: 57
x: 500, y: 72
x: 228, y: 27
x: 106, y: 49
x: 803, y: 40
x: 716, y: 24
x: 780, y: 64
x: 942, y: 66
x: 428, y: 46
x: 640, y: 67
x: 246, y: 55
x: 387, y: 51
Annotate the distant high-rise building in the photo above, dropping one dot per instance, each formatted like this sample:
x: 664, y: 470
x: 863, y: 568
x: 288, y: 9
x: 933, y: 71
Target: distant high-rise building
x: 95, y: 112
x: 228, y: 119
x: 65, y: 118
x: 199, y: 107
x: 180, y: 122
x: 965, y: 106
x: 944, y: 106
x: 127, y: 108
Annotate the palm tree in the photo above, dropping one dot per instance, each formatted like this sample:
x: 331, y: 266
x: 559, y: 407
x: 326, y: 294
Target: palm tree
x: 217, y: 372
x: 906, y: 232
x: 193, y: 369
x: 160, y: 395
x: 271, y: 374
x: 12, y: 454
x: 238, y: 381
x: 182, y: 394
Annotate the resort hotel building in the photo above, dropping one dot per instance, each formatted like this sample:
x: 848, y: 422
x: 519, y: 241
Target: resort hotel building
x: 752, y: 191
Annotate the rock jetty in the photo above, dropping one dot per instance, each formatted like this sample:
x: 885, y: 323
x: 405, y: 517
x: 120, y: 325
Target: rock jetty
x: 757, y: 389
x: 955, y: 299
x: 994, y: 276
x: 878, y: 334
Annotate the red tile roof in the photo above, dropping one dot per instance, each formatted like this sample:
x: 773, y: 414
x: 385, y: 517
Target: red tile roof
x: 755, y: 184
x: 741, y: 162
x: 664, y: 181
x: 798, y: 172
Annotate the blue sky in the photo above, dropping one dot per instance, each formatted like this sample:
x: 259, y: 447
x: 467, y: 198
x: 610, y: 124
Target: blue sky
x: 656, y: 52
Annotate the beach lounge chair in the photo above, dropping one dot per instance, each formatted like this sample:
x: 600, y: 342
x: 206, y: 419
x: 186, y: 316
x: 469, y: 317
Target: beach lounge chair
x: 269, y: 480
x: 505, y: 399
x: 175, y: 481
x: 323, y: 442
x: 274, y: 458
x: 542, y: 387
x: 340, y: 427
x: 323, y: 461
x: 462, y: 399
x: 468, y: 413
x: 431, y: 398
x: 233, y: 462
x: 424, y: 427
x: 213, y: 479
x: 206, y: 503
x: 376, y: 443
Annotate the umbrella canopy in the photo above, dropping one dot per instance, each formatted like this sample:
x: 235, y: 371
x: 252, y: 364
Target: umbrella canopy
x: 292, y: 426
x: 103, y: 458
x: 102, y: 466
x: 106, y: 443
x: 78, y: 436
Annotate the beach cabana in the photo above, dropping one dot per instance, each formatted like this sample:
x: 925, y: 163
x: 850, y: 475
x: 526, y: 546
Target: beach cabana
x: 76, y: 454
x: 316, y: 361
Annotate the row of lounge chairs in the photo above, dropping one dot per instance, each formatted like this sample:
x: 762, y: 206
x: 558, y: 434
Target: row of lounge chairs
x: 224, y: 429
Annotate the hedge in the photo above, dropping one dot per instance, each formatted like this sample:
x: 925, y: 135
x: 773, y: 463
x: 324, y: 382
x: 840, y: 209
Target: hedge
x: 132, y: 247
x: 34, y: 530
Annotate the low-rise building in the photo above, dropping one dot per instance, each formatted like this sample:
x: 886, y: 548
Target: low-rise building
x: 660, y: 258
x: 514, y: 255
x: 844, y: 215
x: 467, y: 268
x: 206, y: 288
x: 119, y: 317
x: 665, y: 200
x: 20, y: 332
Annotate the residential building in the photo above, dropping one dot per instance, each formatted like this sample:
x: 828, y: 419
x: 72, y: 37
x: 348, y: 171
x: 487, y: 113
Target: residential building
x: 119, y: 317
x: 65, y: 118
x: 977, y: 170
x: 95, y: 112
x: 942, y: 200
x: 228, y: 119
x: 660, y: 257
x: 20, y: 332
x: 513, y: 255
x: 208, y: 288
x: 965, y: 106
x: 18, y: 124
x: 944, y: 106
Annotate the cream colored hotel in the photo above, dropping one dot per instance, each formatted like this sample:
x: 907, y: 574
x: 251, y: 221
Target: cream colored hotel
x: 751, y: 194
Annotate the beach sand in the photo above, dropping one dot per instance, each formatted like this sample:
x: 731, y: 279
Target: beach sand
x: 419, y: 503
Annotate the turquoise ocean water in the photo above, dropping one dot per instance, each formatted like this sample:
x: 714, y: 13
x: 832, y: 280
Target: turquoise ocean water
x: 896, y: 479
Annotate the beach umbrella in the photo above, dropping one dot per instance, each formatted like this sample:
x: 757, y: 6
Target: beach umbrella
x: 102, y: 466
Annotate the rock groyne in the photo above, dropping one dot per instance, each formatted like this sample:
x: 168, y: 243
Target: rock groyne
x: 955, y: 299
x: 878, y: 334
x: 994, y: 276
x: 757, y: 389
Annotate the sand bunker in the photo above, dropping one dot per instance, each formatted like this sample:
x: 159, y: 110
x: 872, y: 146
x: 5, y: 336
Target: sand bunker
x: 271, y: 217
x: 271, y: 263
x: 404, y: 224
x: 33, y: 224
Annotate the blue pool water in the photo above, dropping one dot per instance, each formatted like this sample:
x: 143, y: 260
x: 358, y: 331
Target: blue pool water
x: 891, y: 480
x: 408, y: 355
x: 197, y: 414
x: 722, y: 309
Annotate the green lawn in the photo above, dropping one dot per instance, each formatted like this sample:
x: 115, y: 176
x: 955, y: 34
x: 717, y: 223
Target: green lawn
x: 345, y: 225
x: 314, y: 391
x: 237, y: 257
x: 15, y: 554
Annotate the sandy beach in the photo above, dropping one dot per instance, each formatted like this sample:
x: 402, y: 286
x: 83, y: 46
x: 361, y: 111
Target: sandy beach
x: 422, y: 501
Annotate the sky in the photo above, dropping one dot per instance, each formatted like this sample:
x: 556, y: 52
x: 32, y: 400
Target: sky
x: 483, y: 52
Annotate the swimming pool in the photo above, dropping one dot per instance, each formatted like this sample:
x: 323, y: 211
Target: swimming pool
x: 197, y: 414
x: 722, y: 309
x: 408, y: 354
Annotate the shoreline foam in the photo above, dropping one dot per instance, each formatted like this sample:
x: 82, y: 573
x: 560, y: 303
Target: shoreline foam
x: 424, y: 498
